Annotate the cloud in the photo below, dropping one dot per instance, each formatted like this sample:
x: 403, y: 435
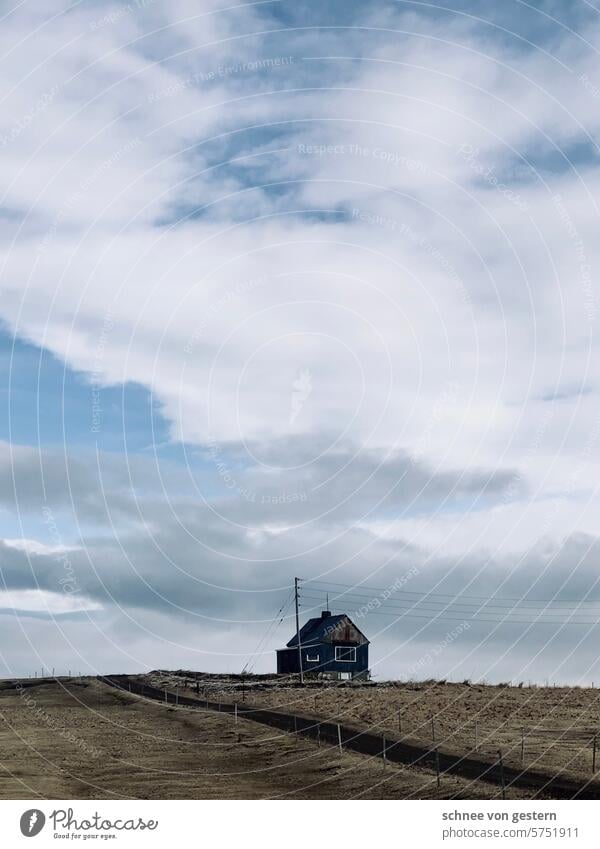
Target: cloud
x: 354, y: 274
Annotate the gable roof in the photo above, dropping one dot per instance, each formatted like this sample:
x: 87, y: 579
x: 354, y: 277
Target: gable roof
x: 315, y: 630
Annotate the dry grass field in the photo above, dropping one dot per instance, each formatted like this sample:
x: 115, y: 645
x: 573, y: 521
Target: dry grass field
x: 556, y: 725
x: 83, y: 739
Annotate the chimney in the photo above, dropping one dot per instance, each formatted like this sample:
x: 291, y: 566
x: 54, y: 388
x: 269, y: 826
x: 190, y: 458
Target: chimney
x: 325, y: 614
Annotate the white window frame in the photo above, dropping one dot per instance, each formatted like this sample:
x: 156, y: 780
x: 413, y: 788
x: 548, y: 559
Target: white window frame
x: 312, y: 659
x: 345, y: 659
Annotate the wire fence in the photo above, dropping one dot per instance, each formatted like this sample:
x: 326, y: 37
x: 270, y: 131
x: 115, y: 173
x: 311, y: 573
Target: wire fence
x: 565, y: 748
x: 428, y: 754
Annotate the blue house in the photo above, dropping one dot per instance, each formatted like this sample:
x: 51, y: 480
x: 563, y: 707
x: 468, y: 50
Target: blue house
x: 330, y: 647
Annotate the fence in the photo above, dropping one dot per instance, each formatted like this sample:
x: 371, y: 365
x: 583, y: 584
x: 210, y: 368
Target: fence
x: 471, y: 765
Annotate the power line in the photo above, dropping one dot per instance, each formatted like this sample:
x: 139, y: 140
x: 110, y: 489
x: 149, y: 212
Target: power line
x: 437, y: 598
x: 483, y: 613
x: 377, y: 590
x: 272, y: 627
x: 453, y: 607
x: 486, y: 607
x: 441, y: 617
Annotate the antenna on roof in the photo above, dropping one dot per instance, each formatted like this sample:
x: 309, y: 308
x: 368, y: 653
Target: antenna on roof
x: 327, y: 605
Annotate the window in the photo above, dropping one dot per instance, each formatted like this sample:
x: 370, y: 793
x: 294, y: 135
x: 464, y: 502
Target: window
x: 345, y: 654
x: 310, y: 659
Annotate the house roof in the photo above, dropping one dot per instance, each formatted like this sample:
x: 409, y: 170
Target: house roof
x: 315, y: 630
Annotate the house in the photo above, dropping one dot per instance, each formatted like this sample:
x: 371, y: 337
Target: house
x: 331, y: 646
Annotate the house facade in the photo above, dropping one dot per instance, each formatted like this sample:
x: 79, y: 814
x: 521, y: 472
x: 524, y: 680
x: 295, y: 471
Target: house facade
x: 331, y: 646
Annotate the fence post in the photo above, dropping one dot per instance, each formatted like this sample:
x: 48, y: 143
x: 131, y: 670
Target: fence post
x: 437, y: 765
x: 400, y: 722
x: 339, y: 730
x: 166, y: 699
x: 177, y: 696
x: 476, y: 738
x: 433, y: 729
x: 501, y: 765
x: 522, y: 746
x: 319, y: 734
x: 594, y: 754
x: 296, y: 728
x: 384, y: 752
x: 235, y: 711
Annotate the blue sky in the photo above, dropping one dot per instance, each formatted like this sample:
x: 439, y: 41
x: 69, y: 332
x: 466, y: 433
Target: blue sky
x: 296, y: 289
x: 44, y: 401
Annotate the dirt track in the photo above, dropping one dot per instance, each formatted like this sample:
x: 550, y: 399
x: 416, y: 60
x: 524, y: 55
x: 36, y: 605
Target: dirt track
x: 86, y: 740
x: 556, y: 724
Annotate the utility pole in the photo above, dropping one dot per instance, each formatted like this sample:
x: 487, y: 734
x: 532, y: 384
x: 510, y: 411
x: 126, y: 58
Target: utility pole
x: 296, y: 581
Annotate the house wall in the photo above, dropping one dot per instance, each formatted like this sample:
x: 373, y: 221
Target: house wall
x: 287, y: 660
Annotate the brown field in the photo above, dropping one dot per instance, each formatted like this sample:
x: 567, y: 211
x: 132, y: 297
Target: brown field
x: 556, y: 724
x: 84, y: 740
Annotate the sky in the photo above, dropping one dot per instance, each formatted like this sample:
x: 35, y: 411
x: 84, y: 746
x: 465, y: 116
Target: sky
x: 300, y: 290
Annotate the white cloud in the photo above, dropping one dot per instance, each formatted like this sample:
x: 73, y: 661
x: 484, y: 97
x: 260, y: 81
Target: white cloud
x: 33, y: 546
x: 40, y: 601
x: 412, y: 224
